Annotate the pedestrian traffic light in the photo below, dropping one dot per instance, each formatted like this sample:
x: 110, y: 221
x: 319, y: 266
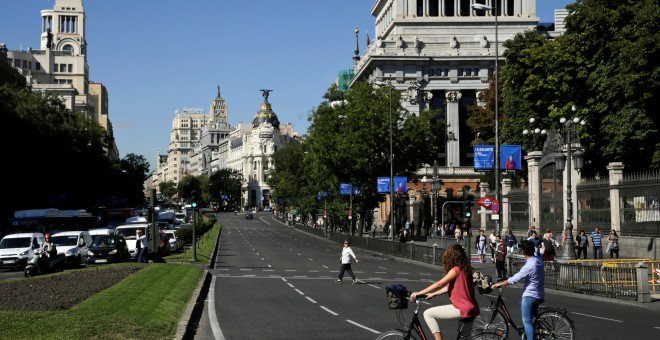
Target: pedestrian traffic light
x: 193, y: 199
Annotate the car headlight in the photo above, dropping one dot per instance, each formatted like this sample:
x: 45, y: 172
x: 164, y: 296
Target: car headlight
x: 113, y: 252
x: 71, y: 251
x: 24, y: 253
x: 90, y: 253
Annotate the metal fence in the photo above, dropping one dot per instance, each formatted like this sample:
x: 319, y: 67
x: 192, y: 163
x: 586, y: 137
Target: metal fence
x: 593, y: 204
x: 640, y: 195
x: 606, y: 278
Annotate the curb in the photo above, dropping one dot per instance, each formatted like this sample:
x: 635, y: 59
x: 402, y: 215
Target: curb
x: 190, y: 318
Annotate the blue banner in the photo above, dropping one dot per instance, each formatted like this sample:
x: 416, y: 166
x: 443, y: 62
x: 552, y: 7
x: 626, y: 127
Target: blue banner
x: 345, y: 188
x: 357, y: 190
x: 400, y: 184
x: 484, y: 157
x: 322, y: 194
x: 383, y: 185
x: 510, y: 157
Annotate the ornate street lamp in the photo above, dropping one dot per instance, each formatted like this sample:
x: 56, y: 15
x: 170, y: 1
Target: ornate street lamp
x: 569, y: 128
x: 534, y: 132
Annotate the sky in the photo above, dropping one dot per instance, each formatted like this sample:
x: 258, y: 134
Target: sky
x: 159, y: 56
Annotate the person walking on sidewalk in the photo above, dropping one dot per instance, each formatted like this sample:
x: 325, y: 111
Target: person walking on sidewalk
x: 493, y: 244
x: 481, y: 244
x: 347, y: 255
x: 511, y: 241
x: 582, y: 243
x: 500, y: 259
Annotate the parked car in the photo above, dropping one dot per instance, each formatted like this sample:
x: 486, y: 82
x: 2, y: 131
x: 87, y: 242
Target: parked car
x: 176, y: 244
x: 74, y: 245
x: 249, y: 216
x: 17, y: 249
x: 100, y: 232
x: 108, y: 249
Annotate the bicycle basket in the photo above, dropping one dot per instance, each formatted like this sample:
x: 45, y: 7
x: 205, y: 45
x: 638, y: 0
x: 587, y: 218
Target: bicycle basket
x: 397, y: 296
x: 482, y: 282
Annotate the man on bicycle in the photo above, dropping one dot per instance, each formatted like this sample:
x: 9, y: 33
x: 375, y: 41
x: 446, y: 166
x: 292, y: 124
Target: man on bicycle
x: 533, y: 288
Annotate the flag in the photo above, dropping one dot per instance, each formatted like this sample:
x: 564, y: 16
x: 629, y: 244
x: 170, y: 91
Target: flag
x: 368, y: 42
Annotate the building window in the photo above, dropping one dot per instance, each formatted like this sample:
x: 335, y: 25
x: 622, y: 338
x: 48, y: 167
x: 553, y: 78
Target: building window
x: 37, y: 66
x: 62, y: 67
x: 70, y: 68
x: 68, y: 48
x: 25, y: 64
x: 434, y: 8
x: 420, y: 8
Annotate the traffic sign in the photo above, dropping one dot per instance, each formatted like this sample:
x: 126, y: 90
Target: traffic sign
x: 495, y: 216
x: 495, y: 207
x: 485, y: 202
x: 488, y: 212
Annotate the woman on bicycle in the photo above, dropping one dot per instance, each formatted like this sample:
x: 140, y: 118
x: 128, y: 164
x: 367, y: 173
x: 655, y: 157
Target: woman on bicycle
x: 457, y: 283
x: 533, y: 289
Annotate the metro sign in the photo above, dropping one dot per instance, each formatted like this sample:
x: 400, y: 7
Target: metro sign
x: 485, y: 202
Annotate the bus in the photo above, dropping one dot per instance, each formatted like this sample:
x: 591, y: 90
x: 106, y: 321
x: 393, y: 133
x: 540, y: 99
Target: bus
x: 49, y: 221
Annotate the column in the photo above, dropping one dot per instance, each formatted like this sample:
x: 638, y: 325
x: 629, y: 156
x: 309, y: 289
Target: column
x: 616, y: 176
x: 484, y: 187
x: 575, y: 179
x: 534, y: 185
x: 506, y: 209
x: 453, y: 145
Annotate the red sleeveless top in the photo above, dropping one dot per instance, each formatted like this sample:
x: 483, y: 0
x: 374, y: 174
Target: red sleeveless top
x: 461, y: 294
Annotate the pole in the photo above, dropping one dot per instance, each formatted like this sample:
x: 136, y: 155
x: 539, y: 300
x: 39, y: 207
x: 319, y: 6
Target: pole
x: 350, y: 209
x: 194, y: 236
x: 391, y: 171
x: 497, y: 122
x: 569, y: 245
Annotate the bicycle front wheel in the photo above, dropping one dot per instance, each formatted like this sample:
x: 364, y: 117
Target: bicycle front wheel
x: 395, y: 335
x: 555, y: 325
x: 491, y: 320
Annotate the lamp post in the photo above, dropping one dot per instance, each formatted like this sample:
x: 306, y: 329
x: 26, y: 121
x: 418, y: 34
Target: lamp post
x: 533, y: 132
x: 561, y: 160
x: 493, y: 9
x: 435, y: 186
x: 382, y: 83
x: 424, y: 180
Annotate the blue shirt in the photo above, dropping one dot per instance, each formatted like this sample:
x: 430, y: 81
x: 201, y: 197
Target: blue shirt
x: 596, y: 239
x: 533, y: 274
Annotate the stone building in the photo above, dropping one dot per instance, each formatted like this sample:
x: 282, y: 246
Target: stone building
x: 440, y: 55
x: 60, y: 66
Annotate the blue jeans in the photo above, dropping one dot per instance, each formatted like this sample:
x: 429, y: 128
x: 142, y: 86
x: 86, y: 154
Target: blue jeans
x: 529, y: 308
x: 143, y: 256
x: 598, y: 252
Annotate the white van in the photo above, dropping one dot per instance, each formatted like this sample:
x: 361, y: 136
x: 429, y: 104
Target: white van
x: 74, y: 245
x: 17, y: 249
x: 128, y: 231
x: 100, y: 231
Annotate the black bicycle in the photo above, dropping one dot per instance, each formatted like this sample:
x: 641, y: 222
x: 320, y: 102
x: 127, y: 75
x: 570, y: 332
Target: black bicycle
x: 551, y: 323
x: 414, y: 329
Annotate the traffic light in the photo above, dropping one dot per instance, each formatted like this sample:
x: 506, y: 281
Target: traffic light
x: 468, y: 210
x: 193, y: 199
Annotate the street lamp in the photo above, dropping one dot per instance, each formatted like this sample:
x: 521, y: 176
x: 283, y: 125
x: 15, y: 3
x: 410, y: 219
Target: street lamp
x: 435, y: 186
x: 561, y: 160
x: 497, y: 117
x: 389, y: 83
x: 534, y: 132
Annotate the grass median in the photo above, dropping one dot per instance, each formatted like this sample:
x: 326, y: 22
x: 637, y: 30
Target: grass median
x: 146, y: 305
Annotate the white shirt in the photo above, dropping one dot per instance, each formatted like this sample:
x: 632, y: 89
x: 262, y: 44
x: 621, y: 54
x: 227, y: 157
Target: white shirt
x: 144, y: 242
x: 346, y: 255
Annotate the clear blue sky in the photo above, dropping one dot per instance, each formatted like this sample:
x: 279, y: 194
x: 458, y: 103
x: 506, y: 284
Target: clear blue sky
x: 155, y: 57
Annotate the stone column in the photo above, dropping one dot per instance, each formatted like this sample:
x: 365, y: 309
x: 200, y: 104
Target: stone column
x: 506, y: 209
x: 453, y: 145
x: 534, y: 185
x: 483, y: 192
x: 616, y: 176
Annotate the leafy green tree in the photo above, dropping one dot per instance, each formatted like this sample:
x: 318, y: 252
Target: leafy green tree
x: 134, y: 170
x: 351, y: 143
x: 168, y: 189
x: 226, y: 182
x: 607, y: 65
x: 188, y: 184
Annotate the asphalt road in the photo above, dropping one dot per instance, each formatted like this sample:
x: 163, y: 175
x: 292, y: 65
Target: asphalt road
x: 272, y: 281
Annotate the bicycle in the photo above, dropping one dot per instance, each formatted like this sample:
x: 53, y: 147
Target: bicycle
x: 415, y: 326
x: 551, y: 323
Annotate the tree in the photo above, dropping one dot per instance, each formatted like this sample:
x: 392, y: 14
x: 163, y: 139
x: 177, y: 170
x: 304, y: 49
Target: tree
x: 226, y: 182
x: 134, y: 170
x: 188, y: 184
x: 607, y: 65
x: 167, y: 189
x: 350, y: 143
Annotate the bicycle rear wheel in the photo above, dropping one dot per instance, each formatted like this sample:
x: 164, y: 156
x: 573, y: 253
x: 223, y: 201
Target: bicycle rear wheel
x: 555, y: 325
x: 396, y: 334
x: 491, y: 320
x: 485, y: 335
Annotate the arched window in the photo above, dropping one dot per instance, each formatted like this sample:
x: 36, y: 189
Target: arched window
x: 68, y: 48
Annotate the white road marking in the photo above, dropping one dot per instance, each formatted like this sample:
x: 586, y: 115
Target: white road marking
x: 213, y: 318
x: 329, y: 311
x: 310, y: 299
x: 598, y: 317
x: 363, y: 327
x: 299, y: 292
